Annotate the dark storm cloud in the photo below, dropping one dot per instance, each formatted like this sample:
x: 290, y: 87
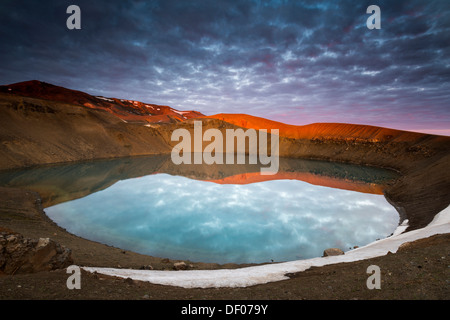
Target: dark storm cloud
x: 293, y: 61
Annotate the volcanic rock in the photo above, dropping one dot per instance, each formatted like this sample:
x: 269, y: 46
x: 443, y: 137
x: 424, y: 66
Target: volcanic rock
x: 24, y: 255
x: 180, y: 265
x: 332, y: 252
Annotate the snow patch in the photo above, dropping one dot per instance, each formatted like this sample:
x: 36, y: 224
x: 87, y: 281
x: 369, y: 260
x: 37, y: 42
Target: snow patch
x: 401, y: 228
x: 106, y: 99
x: 180, y: 112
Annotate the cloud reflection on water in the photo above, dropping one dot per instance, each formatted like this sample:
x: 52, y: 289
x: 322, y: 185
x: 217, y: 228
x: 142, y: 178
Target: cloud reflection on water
x: 179, y: 218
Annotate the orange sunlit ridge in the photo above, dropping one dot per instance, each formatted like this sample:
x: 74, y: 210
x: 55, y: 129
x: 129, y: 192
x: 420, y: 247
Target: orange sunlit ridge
x: 320, y: 130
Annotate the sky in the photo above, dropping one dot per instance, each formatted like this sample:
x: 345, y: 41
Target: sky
x: 297, y: 62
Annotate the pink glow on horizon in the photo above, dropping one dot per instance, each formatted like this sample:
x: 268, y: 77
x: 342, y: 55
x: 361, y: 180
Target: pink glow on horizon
x: 440, y: 132
x: 297, y: 118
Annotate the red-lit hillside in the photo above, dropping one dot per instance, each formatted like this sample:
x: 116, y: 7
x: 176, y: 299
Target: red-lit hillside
x: 127, y: 110
x: 342, y: 131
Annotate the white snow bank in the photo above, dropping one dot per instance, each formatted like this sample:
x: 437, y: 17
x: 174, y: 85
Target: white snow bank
x: 103, y: 98
x: 249, y: 276
x: 180, y: 112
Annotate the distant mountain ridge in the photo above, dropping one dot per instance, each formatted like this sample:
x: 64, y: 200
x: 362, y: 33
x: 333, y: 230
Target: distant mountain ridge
x: 127, y: 110
x: 140, y: 112
x: 322, y: 131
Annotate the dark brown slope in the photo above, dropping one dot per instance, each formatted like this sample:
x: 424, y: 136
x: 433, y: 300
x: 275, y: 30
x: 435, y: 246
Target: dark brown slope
x: 36, y: 131
x: 128, y: 110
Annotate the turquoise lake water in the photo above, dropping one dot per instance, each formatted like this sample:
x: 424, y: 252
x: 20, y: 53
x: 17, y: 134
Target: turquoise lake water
x: 176, y: 217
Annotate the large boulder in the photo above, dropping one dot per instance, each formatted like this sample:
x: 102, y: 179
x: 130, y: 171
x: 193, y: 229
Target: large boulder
x: 180, y: 265
x: 24, y: 255
x: 332, y: 252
